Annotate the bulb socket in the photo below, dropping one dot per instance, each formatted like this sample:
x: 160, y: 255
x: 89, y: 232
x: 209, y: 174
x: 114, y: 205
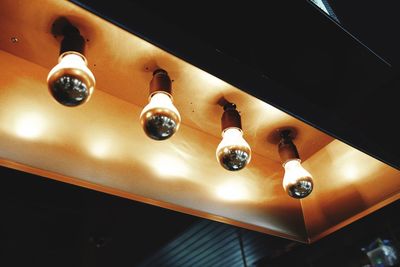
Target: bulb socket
x: 231, y: 117
x: 160, y: 82
x: 72, y: 41
x: 286, y: 148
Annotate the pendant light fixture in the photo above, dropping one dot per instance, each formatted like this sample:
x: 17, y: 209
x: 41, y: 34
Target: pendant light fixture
x: 70, y: 82
x: 160, y: 119
x: 233, y: 153
x: 297, y: 181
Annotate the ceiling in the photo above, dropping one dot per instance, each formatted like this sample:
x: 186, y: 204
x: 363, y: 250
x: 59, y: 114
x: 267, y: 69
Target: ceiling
x: 295, y: 59
x: 342, y: 79
x: 93, y: 146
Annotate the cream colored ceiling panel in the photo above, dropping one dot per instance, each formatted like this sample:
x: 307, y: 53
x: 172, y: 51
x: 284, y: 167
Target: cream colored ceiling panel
x: 101, y: 145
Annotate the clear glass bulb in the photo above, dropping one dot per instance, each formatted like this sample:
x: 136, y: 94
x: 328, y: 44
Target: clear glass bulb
x: 233, y: 153
x: 297, y: 181
x: 160, y: 119
x: 71, y: 82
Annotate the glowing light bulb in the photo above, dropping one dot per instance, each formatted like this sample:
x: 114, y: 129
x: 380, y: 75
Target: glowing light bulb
x: 297, y: 181
x: 160, y: 119
x: 71, y: 82
x: 233, y: 153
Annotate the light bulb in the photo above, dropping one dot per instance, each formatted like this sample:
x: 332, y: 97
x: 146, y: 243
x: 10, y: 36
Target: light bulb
x: 160, y: 118
x: 233, y: 153
x: 71, y: 82
x: 297, y: 181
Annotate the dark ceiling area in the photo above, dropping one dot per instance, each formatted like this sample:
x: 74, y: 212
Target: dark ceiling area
x: 49, y: 223
x: 374, y: 23
x: 342, y: 79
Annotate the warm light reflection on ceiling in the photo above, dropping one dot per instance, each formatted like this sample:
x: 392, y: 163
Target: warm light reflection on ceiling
x: 359, y: 168
x: 354, y: 165
x: 233, y: 191
x: 29, y: 125
x: 210, y: 80
x: 100, y: 147
x: 350, y: 172
x: 169, y: 166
